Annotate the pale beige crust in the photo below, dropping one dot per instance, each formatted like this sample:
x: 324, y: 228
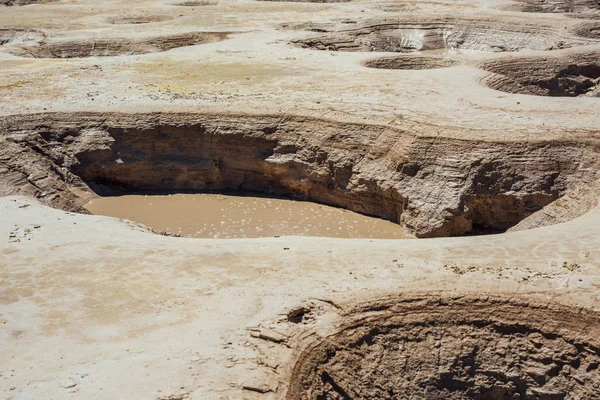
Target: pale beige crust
x: 447, y: 117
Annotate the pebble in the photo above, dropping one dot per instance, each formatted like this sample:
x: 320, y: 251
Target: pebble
x: 68, y: 384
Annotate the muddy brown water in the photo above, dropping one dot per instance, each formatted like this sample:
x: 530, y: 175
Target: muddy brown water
x: 226, y: 216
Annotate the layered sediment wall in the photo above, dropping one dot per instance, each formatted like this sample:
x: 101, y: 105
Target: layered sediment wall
x: 434, y: 186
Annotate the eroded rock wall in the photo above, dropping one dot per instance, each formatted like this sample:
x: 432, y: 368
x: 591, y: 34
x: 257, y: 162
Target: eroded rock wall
x: 434, y: 186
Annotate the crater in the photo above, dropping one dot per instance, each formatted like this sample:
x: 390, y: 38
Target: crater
x: 410, y: 63
x: 24, y: 2
x: 431, y: 186
x: 115, y: 46
x: 453, y: 348
x: 569, y: 76
x: 406, y: 36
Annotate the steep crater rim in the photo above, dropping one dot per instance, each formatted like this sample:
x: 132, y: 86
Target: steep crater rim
x: 453, y: 348
x: 447, y: 34
x: 410, y: 63
x: 431, y: 186
x: 569, y: 76
x: 114, y: 46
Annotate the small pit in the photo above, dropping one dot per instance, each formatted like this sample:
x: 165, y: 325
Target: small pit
x: 457, y: 349
x: 115, y: 46
x: 572, y: 76
x: 410, y: 63
x: 406, y: 37
x: 298, y: 315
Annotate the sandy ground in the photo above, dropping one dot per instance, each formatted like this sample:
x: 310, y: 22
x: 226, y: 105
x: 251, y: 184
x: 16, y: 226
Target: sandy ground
x: 93, y: 307
x: 120, y: 313
x: 257, y: 70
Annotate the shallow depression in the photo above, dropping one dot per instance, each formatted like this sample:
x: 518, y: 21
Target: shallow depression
x: 225, y: 216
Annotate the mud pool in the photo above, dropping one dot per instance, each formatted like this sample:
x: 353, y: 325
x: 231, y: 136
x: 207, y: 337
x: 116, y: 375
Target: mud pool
x: 226, y: 216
